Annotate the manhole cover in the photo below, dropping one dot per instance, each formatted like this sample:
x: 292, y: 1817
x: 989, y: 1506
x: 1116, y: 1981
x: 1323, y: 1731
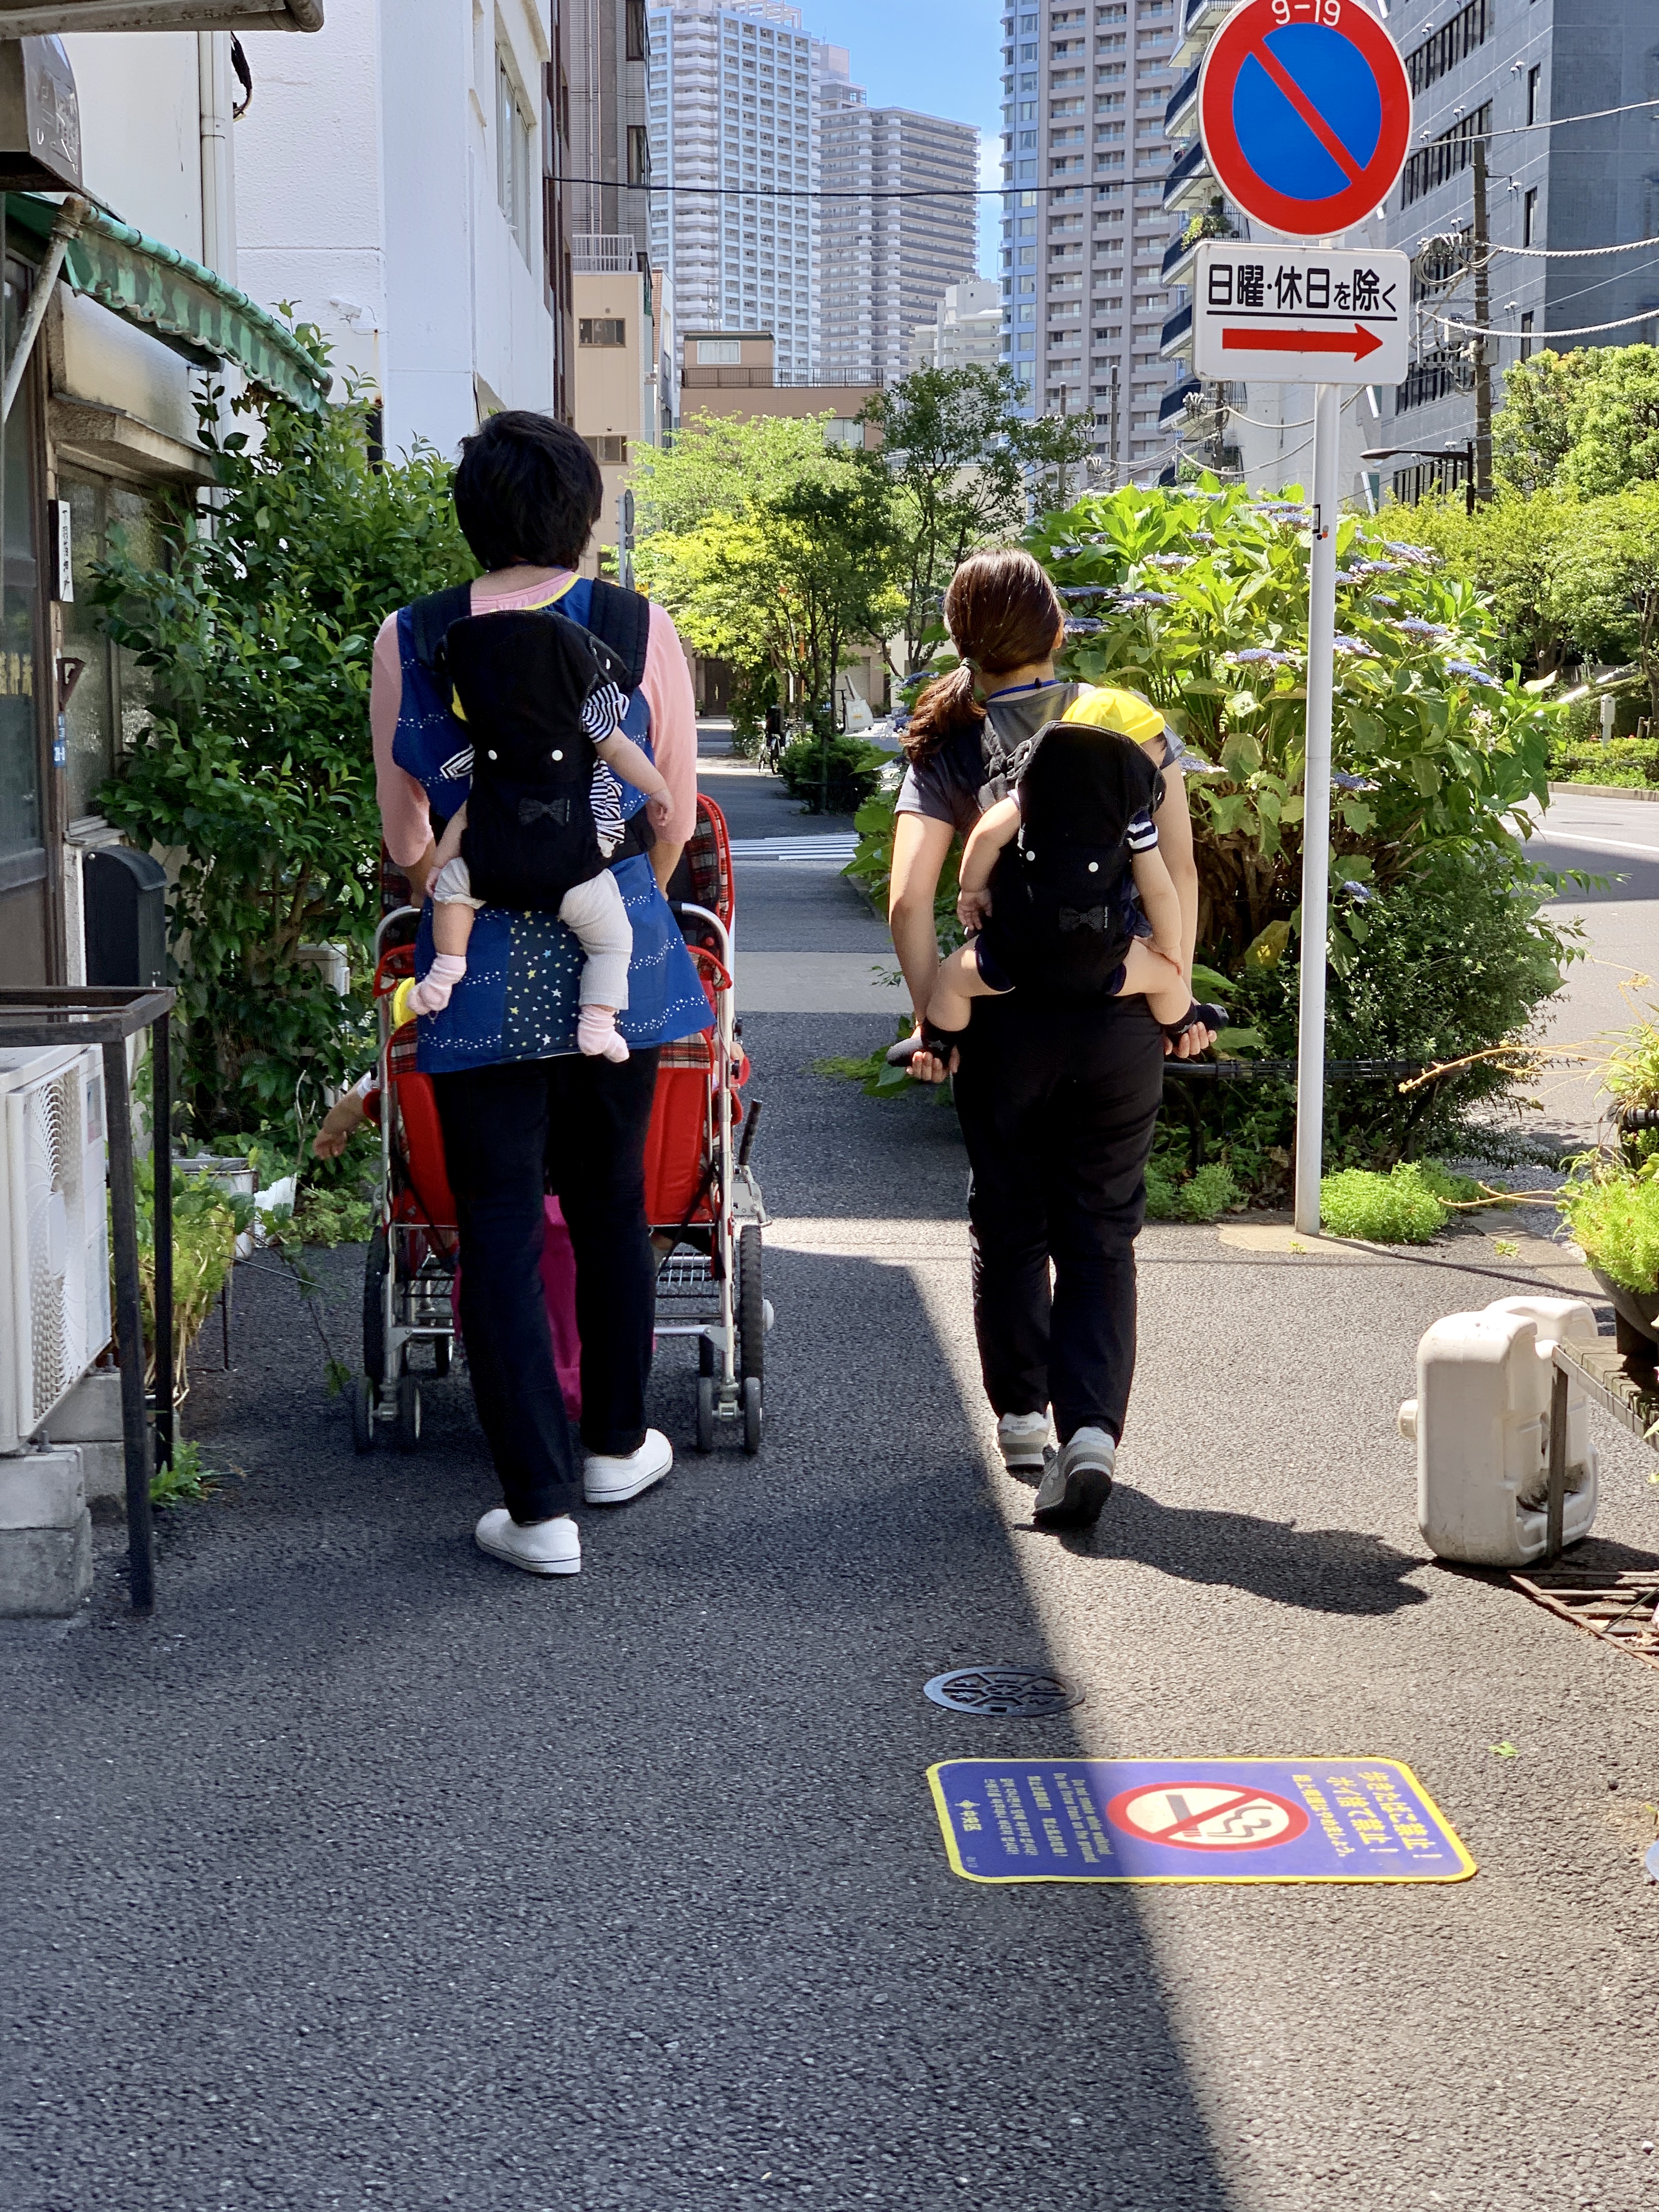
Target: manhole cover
x: 1024, y: 1693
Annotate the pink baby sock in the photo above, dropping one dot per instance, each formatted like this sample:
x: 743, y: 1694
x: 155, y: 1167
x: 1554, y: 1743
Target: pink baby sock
x: 597, y: 1034
x: 431, y: 994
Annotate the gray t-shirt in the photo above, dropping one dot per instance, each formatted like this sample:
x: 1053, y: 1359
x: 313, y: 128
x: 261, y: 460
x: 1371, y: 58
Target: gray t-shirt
x: 970, y: 771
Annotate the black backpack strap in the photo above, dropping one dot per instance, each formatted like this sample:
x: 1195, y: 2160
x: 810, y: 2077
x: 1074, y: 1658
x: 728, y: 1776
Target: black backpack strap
x: 429, y: 620
x: 620, y: 620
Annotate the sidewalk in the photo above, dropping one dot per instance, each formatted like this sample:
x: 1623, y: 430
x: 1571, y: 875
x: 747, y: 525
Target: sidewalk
x: 370, y: 1874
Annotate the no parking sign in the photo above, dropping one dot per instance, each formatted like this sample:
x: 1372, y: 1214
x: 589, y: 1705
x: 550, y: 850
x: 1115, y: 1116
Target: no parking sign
x: 1305, y: 111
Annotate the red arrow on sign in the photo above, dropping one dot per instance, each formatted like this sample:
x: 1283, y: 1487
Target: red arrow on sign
x: 1359, y: 342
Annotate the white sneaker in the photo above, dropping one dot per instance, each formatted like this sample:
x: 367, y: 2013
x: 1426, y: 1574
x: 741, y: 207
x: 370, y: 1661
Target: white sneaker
x: 1078, y: 1485
x: 545, y: 1547
x: 608, y: 1480
x: 1023, y: 1439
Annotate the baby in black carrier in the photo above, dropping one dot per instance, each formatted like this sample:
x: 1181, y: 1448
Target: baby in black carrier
x: 543, y: 821
x: 1050, y: 879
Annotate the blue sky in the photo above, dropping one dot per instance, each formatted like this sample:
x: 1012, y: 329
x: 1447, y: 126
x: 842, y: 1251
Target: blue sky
x: 943, y: 57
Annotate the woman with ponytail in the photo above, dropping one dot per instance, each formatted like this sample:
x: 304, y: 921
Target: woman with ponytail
x: 1057, y: 1098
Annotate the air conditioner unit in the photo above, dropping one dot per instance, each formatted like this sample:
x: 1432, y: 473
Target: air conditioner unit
x: 54, y: 1232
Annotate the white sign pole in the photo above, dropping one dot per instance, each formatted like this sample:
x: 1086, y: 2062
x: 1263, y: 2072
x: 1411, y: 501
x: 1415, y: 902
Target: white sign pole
x: 1316, y: 815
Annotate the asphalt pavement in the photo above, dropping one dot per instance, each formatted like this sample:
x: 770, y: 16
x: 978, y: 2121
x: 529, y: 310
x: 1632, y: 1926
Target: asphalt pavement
x: 370, y: 1874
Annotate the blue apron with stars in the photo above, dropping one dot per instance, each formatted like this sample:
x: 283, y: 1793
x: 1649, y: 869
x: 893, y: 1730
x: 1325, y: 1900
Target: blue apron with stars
x: 518, y: 999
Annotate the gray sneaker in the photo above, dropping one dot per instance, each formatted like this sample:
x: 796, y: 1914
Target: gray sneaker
x: 1078, y: 1482
x: 1022, y: 1438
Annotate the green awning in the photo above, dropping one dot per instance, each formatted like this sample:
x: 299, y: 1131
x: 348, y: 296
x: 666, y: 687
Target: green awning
x: 176, y: 300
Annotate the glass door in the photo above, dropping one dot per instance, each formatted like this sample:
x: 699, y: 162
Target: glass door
x: 27, y: 893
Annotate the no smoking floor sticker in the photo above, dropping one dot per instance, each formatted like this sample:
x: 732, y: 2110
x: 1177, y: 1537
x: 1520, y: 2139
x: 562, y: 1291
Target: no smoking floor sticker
x: 1233, y: 1820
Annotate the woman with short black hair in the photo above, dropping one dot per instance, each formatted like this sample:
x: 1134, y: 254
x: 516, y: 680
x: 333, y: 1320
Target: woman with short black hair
x: 523, y: 1111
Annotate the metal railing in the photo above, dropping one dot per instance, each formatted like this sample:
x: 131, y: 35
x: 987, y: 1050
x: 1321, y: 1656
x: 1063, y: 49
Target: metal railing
x: 602, y: 253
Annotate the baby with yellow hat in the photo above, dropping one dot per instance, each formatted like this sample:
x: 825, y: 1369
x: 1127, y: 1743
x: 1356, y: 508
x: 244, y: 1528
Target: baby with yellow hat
x: 1055, y: 879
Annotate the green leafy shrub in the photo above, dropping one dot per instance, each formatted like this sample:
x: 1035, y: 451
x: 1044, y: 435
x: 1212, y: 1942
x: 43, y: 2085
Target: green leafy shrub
x: 183, y: 1480
x: 1614, y: 1215
x: 831, y: 775
x: 255, y: 771
x: 1630, y: 762
x: 207, y: 1220
x: 1396, y: 1208
x: 1202, y: 1197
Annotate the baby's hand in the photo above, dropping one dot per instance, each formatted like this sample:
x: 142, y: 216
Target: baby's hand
x: 660, y: 808
x: 972, y: 907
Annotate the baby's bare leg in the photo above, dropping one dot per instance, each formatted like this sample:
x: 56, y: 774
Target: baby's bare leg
x: 1148, y: 973
x: 958, y: 984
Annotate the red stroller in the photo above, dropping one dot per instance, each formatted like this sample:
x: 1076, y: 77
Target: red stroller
x: 702, y: 1202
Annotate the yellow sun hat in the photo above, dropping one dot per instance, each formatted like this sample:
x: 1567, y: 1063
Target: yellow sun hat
x: 1104, y: 708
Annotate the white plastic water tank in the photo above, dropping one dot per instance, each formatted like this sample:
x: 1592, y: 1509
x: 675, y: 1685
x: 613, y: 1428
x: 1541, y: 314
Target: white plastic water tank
x: 1481, y: 1423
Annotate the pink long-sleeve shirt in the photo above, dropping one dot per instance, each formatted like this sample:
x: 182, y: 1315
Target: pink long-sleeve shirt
x: 405, y: 818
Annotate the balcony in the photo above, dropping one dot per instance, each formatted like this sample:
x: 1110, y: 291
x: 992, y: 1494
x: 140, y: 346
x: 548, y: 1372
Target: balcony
x: 599, y: 253
x: 1173, y: 406
x: 1181, y: 115
x: 1202, y: 19
x: 1176, y: 336
x: 1189, y: 183
x: 1177, y: 262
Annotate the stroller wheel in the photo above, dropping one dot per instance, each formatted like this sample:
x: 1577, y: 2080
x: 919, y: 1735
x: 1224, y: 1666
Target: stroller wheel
x: 362, y: 1414
x: 752, y: 1307
x: 374, y: 1269
x: 706, y: 1388
x: 751, y: 1415
x: 406, y: 1431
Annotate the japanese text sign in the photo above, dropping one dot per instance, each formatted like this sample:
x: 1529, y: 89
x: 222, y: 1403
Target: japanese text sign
x: 1300, y: 315
x: 1193, y: 1820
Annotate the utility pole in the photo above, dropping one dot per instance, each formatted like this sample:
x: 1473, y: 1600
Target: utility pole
x: 1483, y: 320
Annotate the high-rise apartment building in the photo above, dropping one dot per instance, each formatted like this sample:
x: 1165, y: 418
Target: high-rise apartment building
x: 1084, y: 229
x: 732, y: 92
x: 747, y: 108
x: 966, y: 327
x: 885, y: 260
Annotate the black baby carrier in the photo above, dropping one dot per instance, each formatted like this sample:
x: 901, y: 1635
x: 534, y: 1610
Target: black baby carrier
x: 1063, y: 910
x: 521, y: 679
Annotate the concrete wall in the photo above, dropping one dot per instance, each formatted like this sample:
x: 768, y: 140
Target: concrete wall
x: 368, y: 195
x: 311, y: 201
x: 141, y: 128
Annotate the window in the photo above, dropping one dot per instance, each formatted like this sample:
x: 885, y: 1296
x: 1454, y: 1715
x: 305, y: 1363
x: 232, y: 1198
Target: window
x: 1534, y: 88
x: 719, y: 353
x: 1427, y: 64
x: 602, y: 331
x: 1526, y: 336
x: 613, y: 450
x: 1529, y: 215
x: 638, y: 37
x: 639, y: 153
x: 513, y: 149
x: 1452, y: 151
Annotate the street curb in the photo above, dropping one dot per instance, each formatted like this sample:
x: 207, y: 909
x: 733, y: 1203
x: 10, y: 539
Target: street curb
x: 1648, y: 791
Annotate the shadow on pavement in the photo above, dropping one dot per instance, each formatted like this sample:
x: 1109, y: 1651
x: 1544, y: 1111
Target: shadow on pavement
x: 368, y: 1866
x: 1342, y: 1570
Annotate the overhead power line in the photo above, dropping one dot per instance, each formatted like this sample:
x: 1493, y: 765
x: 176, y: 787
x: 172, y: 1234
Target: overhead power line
x: 1560, y: 122
x: 1571, y: 253
x: 1543, y: 338
x: 818, y: 192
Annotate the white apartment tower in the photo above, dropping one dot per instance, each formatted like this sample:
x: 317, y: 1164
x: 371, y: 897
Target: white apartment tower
x: 1085, y: 232
x: 885, y: 261
x: 732, y: 87
x: 966, y: 328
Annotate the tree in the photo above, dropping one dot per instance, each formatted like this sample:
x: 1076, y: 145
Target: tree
x: 770, y: 549
x: 256, y: 772
x: 1585, y: 422
x: 1508, y: 546
x: 964, y: 464
x: 1605, y: 582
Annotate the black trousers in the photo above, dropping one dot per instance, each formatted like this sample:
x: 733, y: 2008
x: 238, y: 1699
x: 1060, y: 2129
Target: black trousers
x: 577, y: 1126
x: 1058, y: 1102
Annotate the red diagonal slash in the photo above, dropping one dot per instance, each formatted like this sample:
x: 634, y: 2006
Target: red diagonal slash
x: 1193, y: 1820
x: 1305, y: 108
x: 1359, y: 342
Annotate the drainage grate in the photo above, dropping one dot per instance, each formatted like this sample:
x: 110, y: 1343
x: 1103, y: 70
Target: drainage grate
x: 1622, y: 1609
x: 1021, y: 1693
